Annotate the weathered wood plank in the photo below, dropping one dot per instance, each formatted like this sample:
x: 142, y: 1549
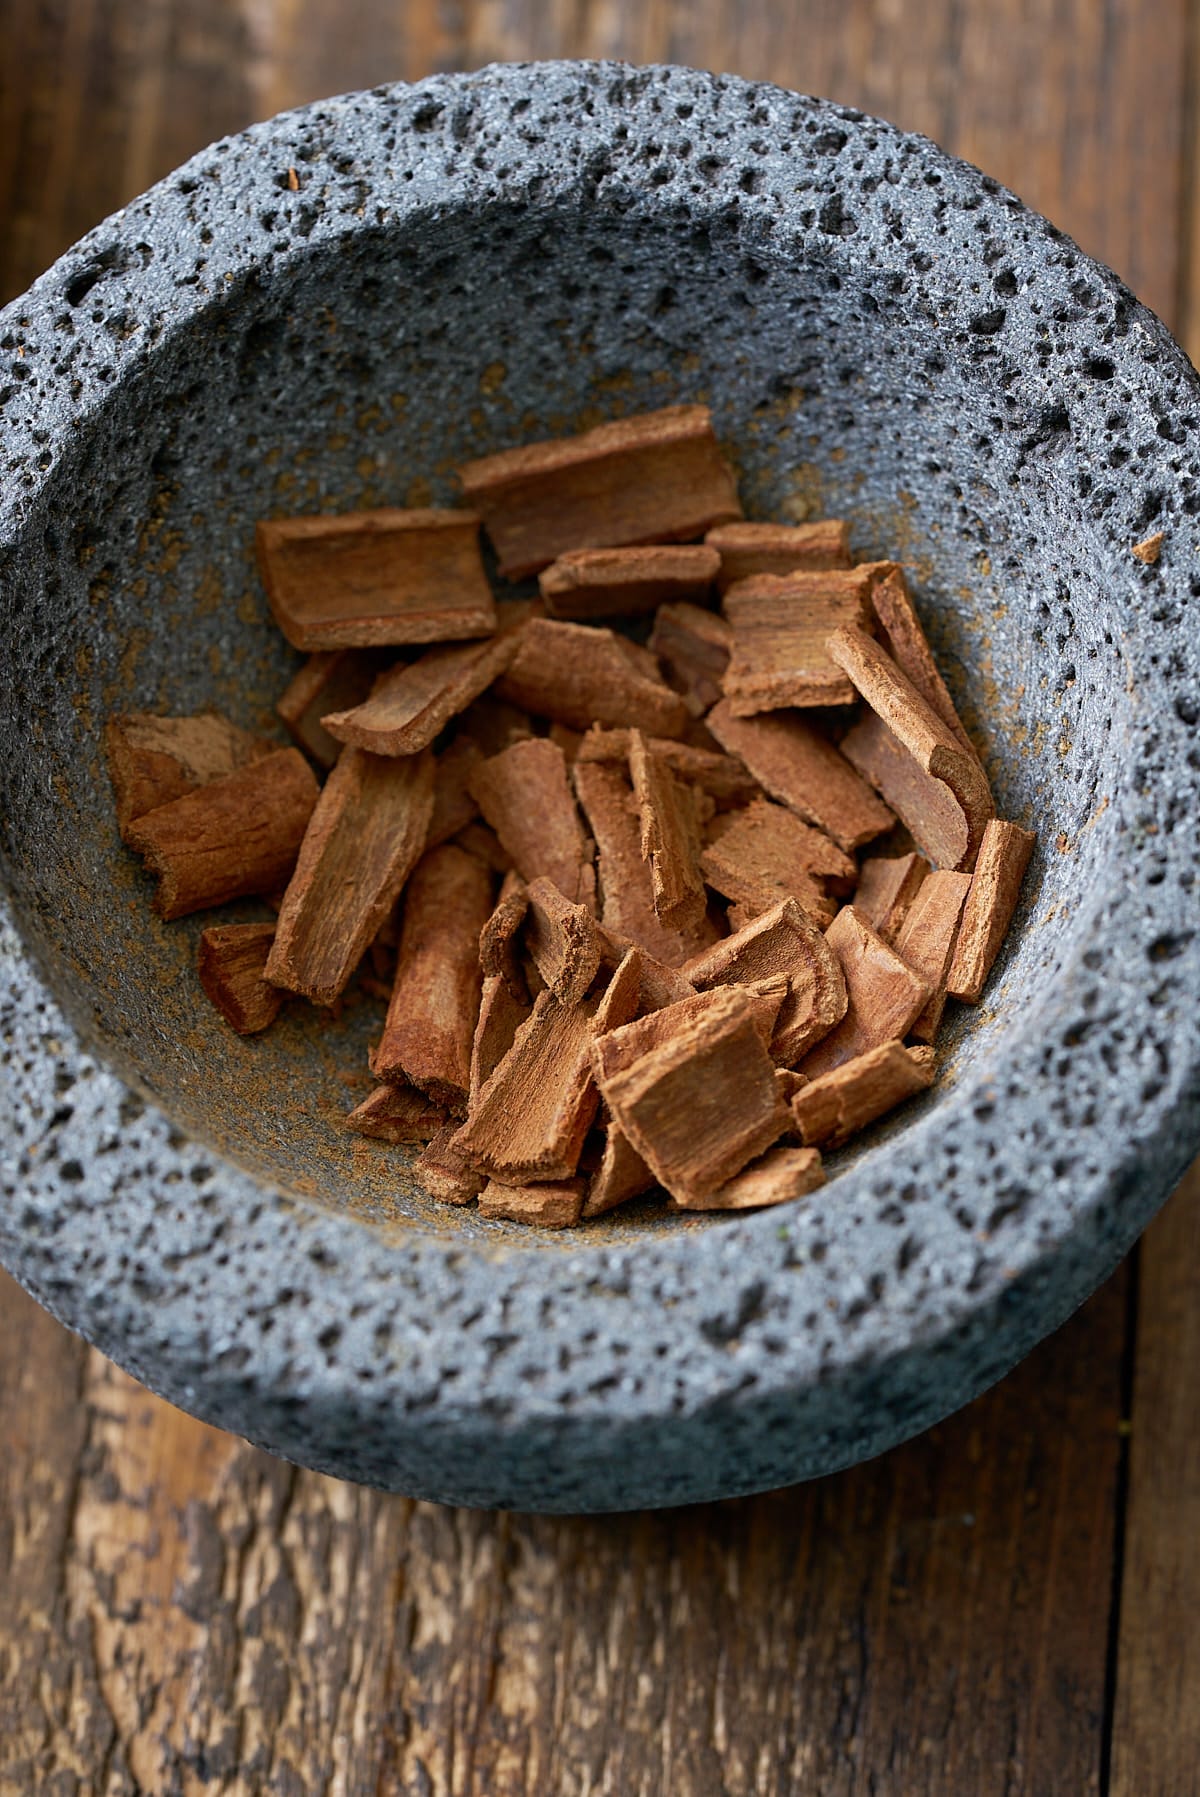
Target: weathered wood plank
x: 1156, y: 1732
x: 192, y: 1615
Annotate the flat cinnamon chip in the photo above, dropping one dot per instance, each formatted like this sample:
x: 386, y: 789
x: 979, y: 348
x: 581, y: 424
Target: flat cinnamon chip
x: 928, y: 741
x: 533, y: 1114
x: 377, y: 577
x: 656, y: 478
x: 154, y: 760
x: 831, y: 1109
x: 793, y: 762
x: 411, y: 704
x: 564, y: 940
x: 885, y: 996
x: 499, y: 939
x: 606, y: 583
x: 237, y: 837
x: 621, y: 1175
x: 932, y: 814
x: 444, y: 1170
x: 364, y: 839
x: 692, y: 1148
x: 781, y: 627
x: 781, y: 941
x: 774, y: 1178
x: 435, y: 998
x: 627, y: 899
x: 525, y: 795
x: 722, y: 777
x: 887, y: 886
x: 330, y: 680
x: 693, y: 646
x: 670, y: 836
x: 397, y: 1114
x: 764, y: 852
x: 501, y: 1014
x: 580, y: 675
x: 230, y: 961
x: 926, y: 941
x: 555, y: 1204
x: 748, y: 549
x: 906, y: 643
x: 995, y: 888
x: 621, y: 1047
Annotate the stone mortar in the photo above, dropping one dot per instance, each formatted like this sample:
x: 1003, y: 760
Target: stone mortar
x: 480, y: 260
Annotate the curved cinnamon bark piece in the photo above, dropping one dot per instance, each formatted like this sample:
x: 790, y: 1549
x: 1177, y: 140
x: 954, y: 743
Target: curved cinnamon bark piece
x: 748, y: 548
x: 782, y: 940
x: 412, y: 703
x: 995, y: 889
x: 234, y: 838
x: 781, y: 628
x: 906, y: 643
x: 656, y: 478
x: 365, y: 578
x: 230, y: 962
x: 885, y: 995
x: 831, y: 1109
x: 670, y: 836
x: 435, y: 998
x: 607, y: 583
x: 918, y: 729
x: 363, y: 841
x: 154, y: 760
x: 803, y: 770
x: 525, y: 795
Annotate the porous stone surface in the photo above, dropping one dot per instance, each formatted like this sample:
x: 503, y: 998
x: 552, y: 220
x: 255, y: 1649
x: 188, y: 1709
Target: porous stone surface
x: 882, y: 332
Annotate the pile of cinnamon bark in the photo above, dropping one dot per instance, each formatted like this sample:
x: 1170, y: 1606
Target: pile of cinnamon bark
x: 682, y: 912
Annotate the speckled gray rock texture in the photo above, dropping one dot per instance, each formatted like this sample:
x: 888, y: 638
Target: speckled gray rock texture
x: 473, y: 262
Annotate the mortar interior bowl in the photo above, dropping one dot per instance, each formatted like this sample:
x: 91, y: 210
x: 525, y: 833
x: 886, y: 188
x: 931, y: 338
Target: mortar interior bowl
x: 882, y: 333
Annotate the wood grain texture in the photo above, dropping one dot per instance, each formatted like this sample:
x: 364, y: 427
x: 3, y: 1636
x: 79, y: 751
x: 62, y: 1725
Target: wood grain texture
x: 1156, y: 1736
x: 179, y: 1613
x: 184, y: 1614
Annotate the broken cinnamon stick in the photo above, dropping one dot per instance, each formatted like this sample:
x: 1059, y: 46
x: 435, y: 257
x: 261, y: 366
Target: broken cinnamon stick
x: 995, y: 888
x: 620, y: 1048
x: 579, y: 675
x: 155, y: 760
x: 603, y: 583
x: 525, y: 795
x: 621, y: 1175
x: 885, y: 995
x: 834, y: 1107
x: 748, y: 549
x: 397, y: 1114
x: 564, y: 940
x: 627, y: 908
x: 656, y: 478
x: 500, y: 937
x: 365, y: 837
x: 803, y: 770
x: 230, y: 961
x: 704, y: 1102
x: 926, y: 941
x: 532, y: 1115
x: 774, y: 1178
x: 764, y: 852
x: 366, y: 578
x: 555, y: 1204
x: 411, y: 704
x: 722, y: 777
x: 234, y: 838
x: 435, y: 998
x: 501, y: 1014
x: 781, y: 941
x: 886, y: 888
x: 693, y: 646
x: 927, y: 739
x: 781, y: 627
x: 670, y: 836
x: 906, y: 643
x: 445, y: 1171
x: 330, y: 680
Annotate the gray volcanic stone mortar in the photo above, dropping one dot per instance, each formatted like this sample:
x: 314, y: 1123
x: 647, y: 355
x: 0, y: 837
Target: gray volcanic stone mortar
x: 477, y: 261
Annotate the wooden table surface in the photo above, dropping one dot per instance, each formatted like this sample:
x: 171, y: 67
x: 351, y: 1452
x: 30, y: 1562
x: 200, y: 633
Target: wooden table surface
x: 1009, y: 1604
